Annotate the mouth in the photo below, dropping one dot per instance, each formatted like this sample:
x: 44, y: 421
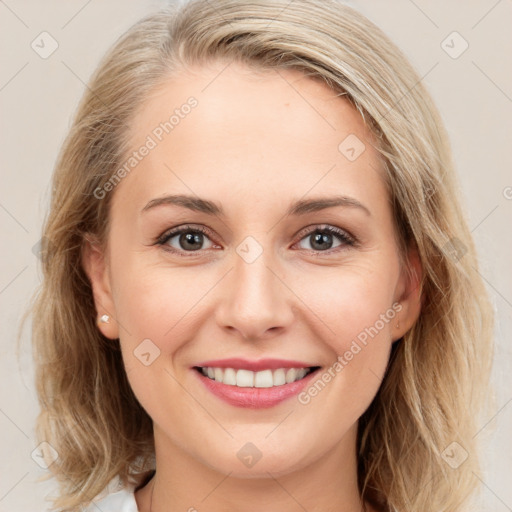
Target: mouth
x: 243, y: 378
x: 254, y: 385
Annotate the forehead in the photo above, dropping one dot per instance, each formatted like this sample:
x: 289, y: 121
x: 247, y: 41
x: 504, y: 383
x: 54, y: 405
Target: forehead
x: 227, y: 128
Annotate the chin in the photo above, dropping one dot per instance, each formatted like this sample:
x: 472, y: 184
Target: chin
x: 250, y: 462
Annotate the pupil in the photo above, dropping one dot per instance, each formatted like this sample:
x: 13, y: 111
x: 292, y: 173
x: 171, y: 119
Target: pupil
x: 189, y: 238
x: 322, y: 239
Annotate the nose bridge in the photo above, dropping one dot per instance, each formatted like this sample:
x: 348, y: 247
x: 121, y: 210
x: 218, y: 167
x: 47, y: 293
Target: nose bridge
x: 255, y: 299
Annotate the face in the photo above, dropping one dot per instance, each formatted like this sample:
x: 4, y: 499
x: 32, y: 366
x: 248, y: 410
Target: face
x: 251, y: 271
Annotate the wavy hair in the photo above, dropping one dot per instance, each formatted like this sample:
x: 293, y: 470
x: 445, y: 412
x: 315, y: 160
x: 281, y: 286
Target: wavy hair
x: 438, y: 375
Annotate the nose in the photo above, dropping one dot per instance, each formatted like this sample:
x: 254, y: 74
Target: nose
x: 255, y: 301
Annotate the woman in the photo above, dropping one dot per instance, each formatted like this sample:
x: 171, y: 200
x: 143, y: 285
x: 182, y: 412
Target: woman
x: 260, y: 290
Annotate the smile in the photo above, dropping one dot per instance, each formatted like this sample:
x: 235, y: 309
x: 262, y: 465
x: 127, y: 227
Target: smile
x: 249, y: 379
x: 254, y: 385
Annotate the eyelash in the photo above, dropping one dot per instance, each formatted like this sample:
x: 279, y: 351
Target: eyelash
x: 343, y: 236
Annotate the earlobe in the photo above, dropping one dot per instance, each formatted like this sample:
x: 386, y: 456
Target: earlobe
x: 410, y: 297
x: 95, y: 266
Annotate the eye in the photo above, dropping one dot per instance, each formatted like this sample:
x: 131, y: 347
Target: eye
x: 321, y: 239
x: 185, y: 239
x: 191, y: 239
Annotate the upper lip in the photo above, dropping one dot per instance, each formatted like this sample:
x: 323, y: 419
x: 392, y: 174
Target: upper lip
x: 262, y: 364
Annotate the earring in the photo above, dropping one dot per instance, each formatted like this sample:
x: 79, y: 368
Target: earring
x: 104, y: 319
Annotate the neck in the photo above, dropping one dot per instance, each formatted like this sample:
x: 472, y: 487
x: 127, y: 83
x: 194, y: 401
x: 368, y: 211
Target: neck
x: 182, y: 482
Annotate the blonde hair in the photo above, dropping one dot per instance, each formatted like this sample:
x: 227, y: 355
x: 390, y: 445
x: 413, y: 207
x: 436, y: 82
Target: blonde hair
x: 438, y: 373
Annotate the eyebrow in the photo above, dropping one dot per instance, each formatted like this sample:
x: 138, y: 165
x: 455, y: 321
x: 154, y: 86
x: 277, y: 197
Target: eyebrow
x: 300, y: 207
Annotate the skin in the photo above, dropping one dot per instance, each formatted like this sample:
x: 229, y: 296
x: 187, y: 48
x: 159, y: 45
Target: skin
x: 256, y: 142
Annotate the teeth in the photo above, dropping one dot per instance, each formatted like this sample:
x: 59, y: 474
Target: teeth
x: 263, y: 379
x: 249, y: 379
x: 244, y: 379
x: 290, y: 375
x: 229, y: 377
x: 279, y: 377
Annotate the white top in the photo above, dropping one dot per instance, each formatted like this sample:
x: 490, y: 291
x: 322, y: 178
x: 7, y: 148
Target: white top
x: 115, y: 498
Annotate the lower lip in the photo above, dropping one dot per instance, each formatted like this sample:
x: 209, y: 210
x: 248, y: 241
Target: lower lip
x: 255, y: 398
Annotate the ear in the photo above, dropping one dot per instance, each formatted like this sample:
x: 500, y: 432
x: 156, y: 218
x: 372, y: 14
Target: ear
x: 408, y: 294
x: 95, y: 264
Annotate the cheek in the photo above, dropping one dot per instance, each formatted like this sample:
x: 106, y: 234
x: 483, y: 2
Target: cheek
x: 153, y: 307
x: 149, y: 303
x: 359, y: 338
x: 152, y: 302
x: 355, y: 315
x: 351, y: 300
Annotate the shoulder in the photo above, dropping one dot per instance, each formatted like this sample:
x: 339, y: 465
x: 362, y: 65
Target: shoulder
x: 115, y: 498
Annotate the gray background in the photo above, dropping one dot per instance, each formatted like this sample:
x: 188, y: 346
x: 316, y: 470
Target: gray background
x: 38, y: 96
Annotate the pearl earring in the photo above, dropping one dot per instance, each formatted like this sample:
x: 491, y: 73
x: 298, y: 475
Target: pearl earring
x: 104, y: 319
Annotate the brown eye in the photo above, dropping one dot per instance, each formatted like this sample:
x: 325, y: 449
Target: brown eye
x: 185, y: 239
x: 324, y: 239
